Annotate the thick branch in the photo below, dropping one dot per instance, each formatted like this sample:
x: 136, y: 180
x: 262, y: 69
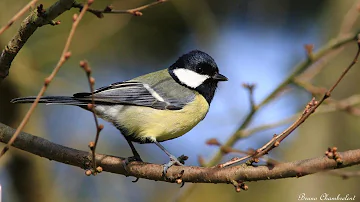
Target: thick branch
x: 27, y: 28
x: 52, y: 151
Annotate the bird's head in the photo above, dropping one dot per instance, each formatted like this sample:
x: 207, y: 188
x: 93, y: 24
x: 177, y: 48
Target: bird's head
x: 197, y: 70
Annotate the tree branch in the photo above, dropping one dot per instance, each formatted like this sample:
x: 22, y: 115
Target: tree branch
x: 92, y: 145
x: 308, y: 111
x: 40, y: 17
x: 63, y: 58
x: 17, y: 15
x: 82, y: 159
x: 300, y: 68
x: 110, y: 10
x: 27, y: 28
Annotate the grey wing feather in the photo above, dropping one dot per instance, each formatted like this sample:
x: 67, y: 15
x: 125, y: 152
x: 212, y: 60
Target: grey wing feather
x: 131, y: 93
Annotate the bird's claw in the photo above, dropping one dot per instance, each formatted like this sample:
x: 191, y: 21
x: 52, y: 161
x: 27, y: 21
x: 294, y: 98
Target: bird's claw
x: 180, y: 161
x: 130, y: 159
x: 182, y: 158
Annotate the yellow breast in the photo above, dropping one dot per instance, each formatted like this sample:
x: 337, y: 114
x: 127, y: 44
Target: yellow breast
x: 163, y: 124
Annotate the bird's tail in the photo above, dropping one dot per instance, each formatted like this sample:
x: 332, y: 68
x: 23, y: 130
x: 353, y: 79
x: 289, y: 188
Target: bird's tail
x: 66, y: 100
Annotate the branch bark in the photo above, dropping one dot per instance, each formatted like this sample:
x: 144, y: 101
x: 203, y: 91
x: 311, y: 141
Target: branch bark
x: 36, y: 20
x: 27, y: 28
x: 82, y: 159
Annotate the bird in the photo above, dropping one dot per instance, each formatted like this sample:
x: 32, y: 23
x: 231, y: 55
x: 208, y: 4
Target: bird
x: 154, y: 107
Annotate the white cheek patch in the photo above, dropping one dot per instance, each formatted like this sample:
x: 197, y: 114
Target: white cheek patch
x: 189, y: 77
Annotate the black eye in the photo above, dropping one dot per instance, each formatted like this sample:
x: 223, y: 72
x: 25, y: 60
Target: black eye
x: 199, y: 69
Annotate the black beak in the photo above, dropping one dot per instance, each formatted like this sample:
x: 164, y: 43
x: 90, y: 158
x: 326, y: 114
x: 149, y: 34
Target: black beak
x: 219, y: 77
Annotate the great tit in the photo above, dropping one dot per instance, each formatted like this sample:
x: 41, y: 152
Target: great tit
x: 155, y: 107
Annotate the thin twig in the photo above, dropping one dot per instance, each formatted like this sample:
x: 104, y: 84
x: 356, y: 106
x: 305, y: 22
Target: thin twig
x: 17, y: 16
x: 110, y: 10
x: 310, y: 108
x: 251, y: 87
x: 226, y: 150
x: 99, y: 127
x: 348, y: 22
x: 345, y: 104
x: 301, y: 67
x: 342, y: 105
x: 28, y: 26
x: 314, y: 90
x: 64, y: 56
x: 317, y: 67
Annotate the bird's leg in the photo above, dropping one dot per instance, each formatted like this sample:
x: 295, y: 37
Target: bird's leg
x: 136, y: 156
x: 173, y: 160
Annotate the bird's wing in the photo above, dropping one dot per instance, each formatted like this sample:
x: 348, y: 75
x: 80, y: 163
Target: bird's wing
x: 132, y: 93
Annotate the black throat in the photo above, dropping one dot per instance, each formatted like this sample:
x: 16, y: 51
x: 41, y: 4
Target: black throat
x: 207, y: 89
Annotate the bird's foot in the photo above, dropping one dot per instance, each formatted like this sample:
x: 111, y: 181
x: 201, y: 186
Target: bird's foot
x: 180, y: 161
x: 131, y: 159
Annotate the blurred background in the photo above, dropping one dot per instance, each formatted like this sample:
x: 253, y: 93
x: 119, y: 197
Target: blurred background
x: 252, y: 41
